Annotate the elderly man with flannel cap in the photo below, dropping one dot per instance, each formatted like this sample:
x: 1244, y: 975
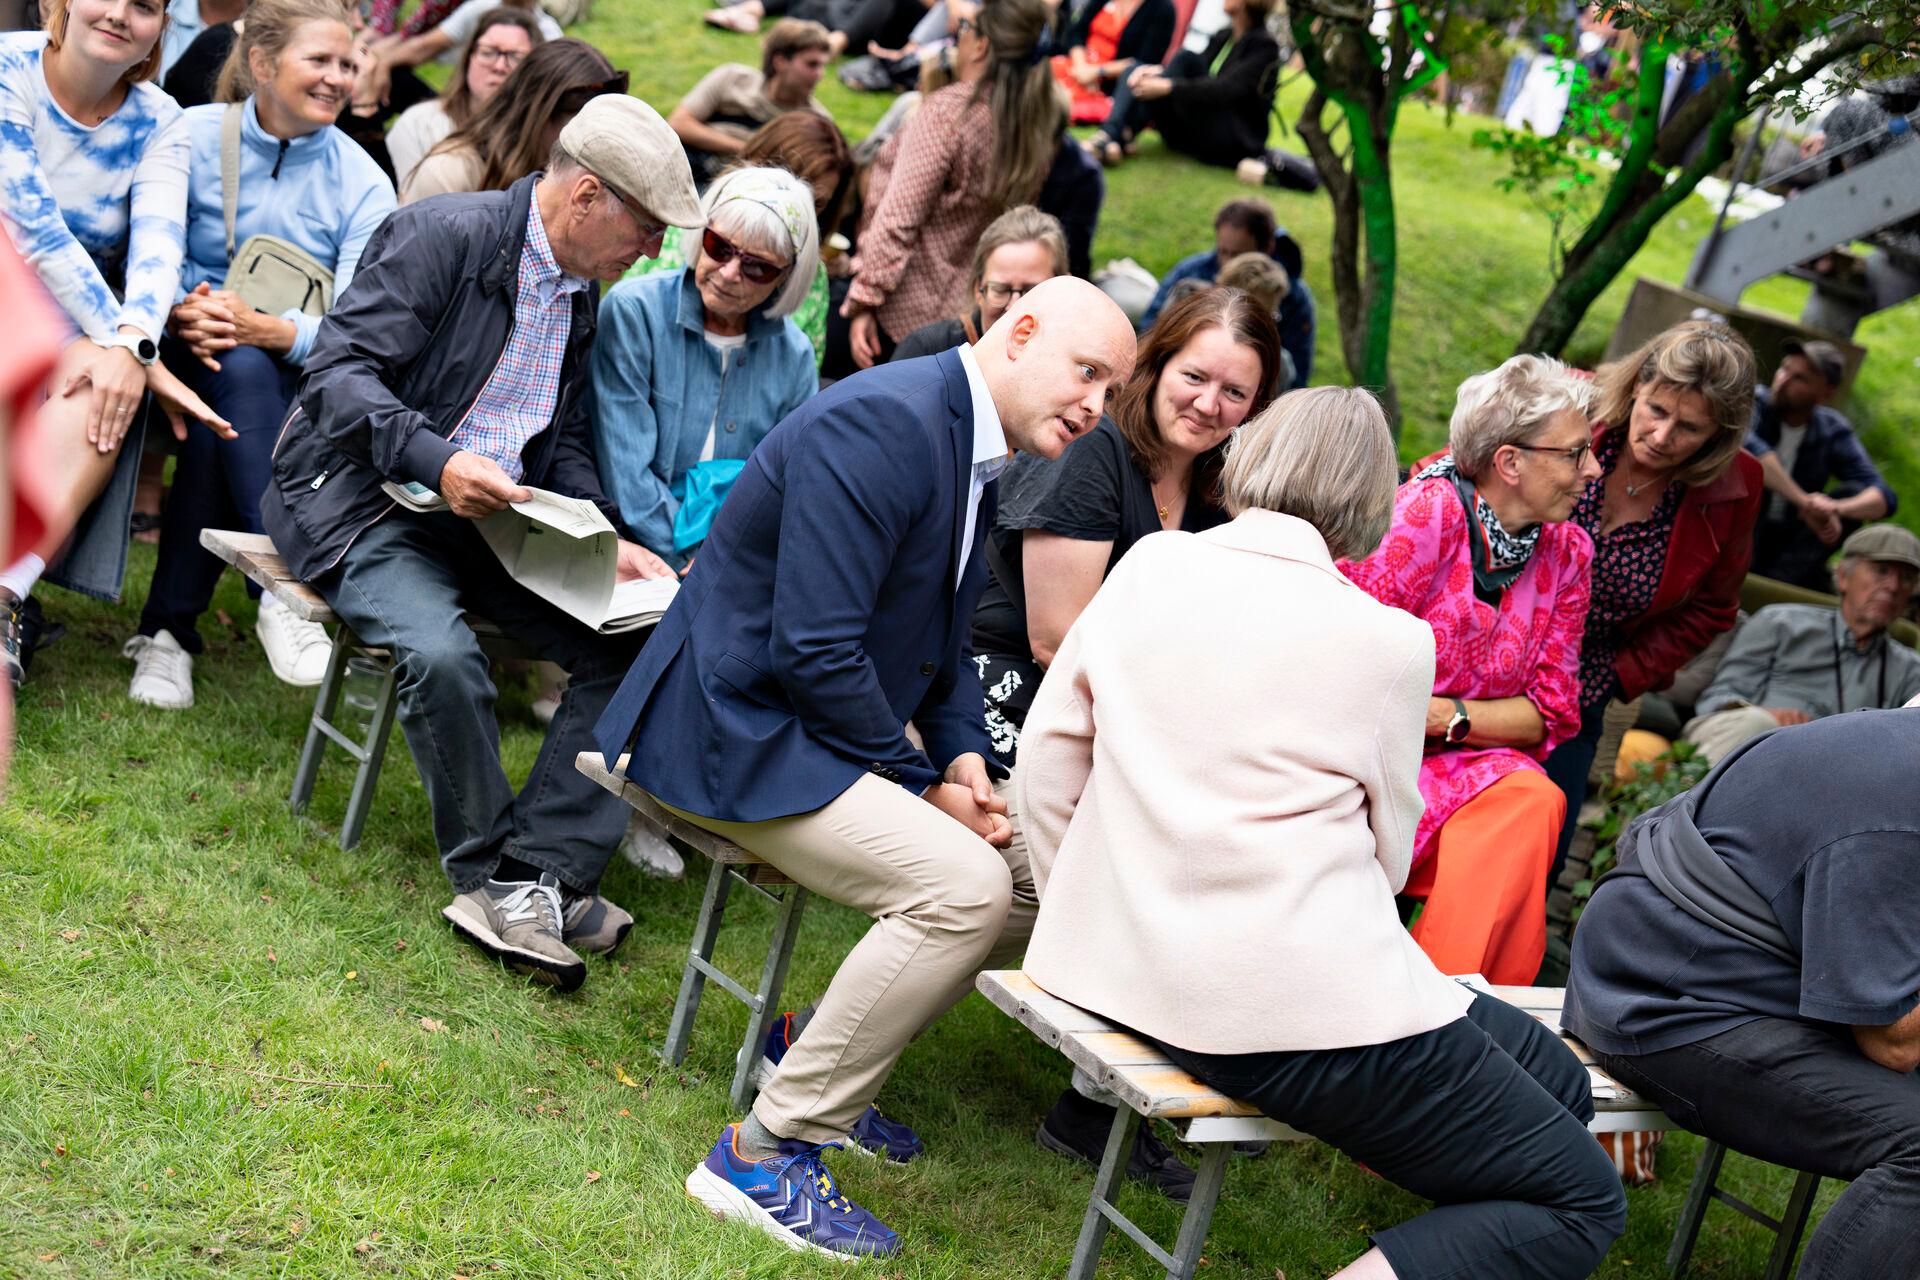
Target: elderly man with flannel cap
x: 458, y: 361
x: 1791, y: 663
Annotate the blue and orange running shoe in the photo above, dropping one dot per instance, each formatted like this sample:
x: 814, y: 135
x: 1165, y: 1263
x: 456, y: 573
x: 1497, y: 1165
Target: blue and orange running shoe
x: 873, y: 1134
x: 791, y: 1197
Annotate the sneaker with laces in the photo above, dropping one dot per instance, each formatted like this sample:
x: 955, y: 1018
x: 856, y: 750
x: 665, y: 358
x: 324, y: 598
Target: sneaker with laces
x: 873, y: 1134
x: 296, y: 649
x: 519, y: 924
x: 648, y: 850
x: 591, y: 923
x: 1077, y: 1128
x: 162, y: 671
x: 792, y: 1198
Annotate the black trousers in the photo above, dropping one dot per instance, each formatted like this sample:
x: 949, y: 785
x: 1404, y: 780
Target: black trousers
x: 1804, y: 1096
x: 1486, y: 1116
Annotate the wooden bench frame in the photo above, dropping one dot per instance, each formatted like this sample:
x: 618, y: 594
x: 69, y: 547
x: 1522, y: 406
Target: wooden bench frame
x: 1152, y: 1088
x: 254, y: 555
x: 729, y: 862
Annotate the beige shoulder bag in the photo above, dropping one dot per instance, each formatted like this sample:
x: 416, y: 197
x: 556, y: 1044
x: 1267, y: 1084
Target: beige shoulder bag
x: 269, y: 274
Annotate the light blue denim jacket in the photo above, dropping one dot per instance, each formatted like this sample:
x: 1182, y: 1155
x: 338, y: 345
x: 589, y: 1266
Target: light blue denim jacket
x: 657, y: 386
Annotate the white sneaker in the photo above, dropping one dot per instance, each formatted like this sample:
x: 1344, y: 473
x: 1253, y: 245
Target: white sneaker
x: 645, y: 849
x: 162, y: 671
x: 297, y: 650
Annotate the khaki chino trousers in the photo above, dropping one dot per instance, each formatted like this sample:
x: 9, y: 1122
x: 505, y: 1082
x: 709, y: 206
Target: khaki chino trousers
x: 945, y: 905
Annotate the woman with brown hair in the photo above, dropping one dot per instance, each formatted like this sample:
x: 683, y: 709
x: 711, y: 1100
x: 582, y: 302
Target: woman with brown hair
x: 971, y: 151
x: 513, y: 134
x: 502, y: 38
x: 1671, y: 518
x: 1064, y: 524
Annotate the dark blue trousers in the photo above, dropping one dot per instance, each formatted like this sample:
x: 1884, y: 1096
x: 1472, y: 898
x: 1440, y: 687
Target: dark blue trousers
x: 1486, y: 1116
x: 216, y: 483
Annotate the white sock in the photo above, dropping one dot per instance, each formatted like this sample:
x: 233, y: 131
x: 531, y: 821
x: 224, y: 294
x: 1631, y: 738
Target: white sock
x: 21, y: 575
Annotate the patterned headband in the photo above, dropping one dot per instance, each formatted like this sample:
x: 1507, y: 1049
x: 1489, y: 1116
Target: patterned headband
x: 770, y: 195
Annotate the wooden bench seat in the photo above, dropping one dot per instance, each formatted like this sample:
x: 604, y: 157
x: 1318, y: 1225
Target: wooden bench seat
x: 728, y: 863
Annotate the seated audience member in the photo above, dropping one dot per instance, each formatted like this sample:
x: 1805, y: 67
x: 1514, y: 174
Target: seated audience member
x: 1215, y: 106
x: 96, y: 213
x: 445, y: 42
x: 845, y: 567
x: 501, y: 38
x: 1064, y: 524
x: 1106, y: 40
x: 1207, y: 833
x: 1791, y: 663
x: 1804, y: 445
x: 1751, y: 965
x: 1481, y: 549
x: 1670, y: 516
x: 459, y: 361
x: 971, y: 151
x: 811, y: 148
x: 1247, y: 226
x: 721, y: 112
x: 187, y: 19
x: 691, y: 370
x: 511, y: 135
x: 1018, y: 250
x: 1265, y: 281
x: 303, y: 181
x: 850, y: 24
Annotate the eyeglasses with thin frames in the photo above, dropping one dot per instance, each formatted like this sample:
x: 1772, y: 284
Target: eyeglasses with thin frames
x: 1000, y: 293
x: 1576, y: 454
x: 650, y: 228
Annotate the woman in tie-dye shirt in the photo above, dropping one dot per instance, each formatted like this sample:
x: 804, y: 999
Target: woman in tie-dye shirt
x: 93, y: 189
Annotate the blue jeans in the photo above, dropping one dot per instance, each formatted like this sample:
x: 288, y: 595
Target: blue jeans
x: 406, y: 585
x: 1486, y: 1116
x: 216, y: 483
x: 1567, y: 768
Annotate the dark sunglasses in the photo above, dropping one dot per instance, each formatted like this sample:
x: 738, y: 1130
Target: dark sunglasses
x: 571, y: 102
x: 723, y: 251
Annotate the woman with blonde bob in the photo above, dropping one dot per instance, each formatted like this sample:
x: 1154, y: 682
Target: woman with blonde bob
x: 1480, y: 549
x: 1217, y: 789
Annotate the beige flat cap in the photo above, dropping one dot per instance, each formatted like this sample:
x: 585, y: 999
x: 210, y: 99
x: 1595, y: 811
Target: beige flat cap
x: 624, y: 141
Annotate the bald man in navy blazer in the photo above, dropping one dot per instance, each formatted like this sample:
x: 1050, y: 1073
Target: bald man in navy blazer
x: 831, y: 605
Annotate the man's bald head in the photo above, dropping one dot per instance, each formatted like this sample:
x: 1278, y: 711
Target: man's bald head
x: 1052, y: 360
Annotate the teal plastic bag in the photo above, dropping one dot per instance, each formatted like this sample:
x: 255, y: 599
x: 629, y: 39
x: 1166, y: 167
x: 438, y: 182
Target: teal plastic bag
x: 702, y: 489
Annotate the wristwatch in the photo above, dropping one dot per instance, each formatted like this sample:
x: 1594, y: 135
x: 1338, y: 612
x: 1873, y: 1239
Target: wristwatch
x: 143, y: 348
x: 1460, y: 726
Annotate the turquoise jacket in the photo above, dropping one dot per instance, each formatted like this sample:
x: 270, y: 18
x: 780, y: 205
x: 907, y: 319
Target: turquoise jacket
x: 658, y: 387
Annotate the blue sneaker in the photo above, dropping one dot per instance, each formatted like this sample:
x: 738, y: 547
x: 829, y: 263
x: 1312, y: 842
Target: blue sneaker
x: 791, y: 1197
x: 873, y: 1134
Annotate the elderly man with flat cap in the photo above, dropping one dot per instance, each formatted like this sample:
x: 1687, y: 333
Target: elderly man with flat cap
x: 458, y: 360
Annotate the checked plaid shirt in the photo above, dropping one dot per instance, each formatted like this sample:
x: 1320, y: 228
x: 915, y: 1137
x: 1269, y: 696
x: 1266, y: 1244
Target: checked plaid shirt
x: 517, y: 403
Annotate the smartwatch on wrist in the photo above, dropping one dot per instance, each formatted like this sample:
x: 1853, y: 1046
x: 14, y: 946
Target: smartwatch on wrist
x: 1460, y: 726
x: 144, y: 349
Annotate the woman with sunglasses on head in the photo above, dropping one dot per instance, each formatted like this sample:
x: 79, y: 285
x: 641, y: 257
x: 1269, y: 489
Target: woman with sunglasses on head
x: 1019, y: 249
x: 500, y: 40
x: 971, y: 151
x: 691, y: 369
x: 512, y: 135
x: 93, y: 192
x: 1482, y: 550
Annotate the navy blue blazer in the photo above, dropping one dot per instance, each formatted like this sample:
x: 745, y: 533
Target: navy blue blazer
x: 821, y: 614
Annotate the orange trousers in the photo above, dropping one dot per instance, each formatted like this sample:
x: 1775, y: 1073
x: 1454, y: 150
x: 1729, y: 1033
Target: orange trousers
x: 1485, y: 884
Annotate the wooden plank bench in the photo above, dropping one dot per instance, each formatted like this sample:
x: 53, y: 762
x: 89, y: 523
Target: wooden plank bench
x: 729, y: 862
x: 1152, y: 1088
x: 255, y: 556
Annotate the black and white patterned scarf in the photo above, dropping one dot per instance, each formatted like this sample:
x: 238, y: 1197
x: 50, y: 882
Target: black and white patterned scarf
x: 1498, y: 556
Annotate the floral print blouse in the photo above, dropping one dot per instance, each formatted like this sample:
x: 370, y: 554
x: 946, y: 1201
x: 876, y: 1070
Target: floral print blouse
x: 1627, y: 564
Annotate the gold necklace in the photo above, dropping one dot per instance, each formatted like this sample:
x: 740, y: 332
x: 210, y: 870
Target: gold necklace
x: 1167, y: 507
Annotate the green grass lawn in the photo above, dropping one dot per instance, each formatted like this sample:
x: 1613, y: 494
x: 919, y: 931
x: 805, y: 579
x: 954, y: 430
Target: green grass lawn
x: 177, y: 951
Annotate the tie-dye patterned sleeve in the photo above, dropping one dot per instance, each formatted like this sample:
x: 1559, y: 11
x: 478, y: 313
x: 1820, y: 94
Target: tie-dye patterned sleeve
x: 156, y: 241
x: 33, y: 216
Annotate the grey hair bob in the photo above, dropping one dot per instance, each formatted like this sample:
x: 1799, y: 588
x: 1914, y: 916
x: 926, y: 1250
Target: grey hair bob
x: 1323, y: 455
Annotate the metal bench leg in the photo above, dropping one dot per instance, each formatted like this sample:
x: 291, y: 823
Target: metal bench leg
x: 766, y: 1001
x: 1211, y: 1177
x: 326, y: 701
x: 706, y: 929
x: 1793, y: 1225
x: 374, y: 751
x: 1706, y: 1172
x: 1106, y: 1185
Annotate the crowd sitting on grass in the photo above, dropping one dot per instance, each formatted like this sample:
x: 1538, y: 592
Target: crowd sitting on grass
x: 1020, y: 631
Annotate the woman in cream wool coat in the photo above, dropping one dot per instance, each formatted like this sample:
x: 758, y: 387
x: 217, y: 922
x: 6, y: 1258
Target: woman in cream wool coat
x: 1217, y: 786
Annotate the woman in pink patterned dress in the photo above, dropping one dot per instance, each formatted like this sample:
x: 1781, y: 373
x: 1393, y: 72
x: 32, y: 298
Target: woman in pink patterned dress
x: 1481, y: 549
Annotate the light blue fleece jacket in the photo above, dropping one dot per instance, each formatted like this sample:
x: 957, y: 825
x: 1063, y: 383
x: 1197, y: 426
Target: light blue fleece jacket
x: 321, y: 192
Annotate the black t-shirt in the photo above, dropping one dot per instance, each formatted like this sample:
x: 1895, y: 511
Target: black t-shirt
x: 1092, y: 492
x: 190, y: 80
x: 1823, y: 821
